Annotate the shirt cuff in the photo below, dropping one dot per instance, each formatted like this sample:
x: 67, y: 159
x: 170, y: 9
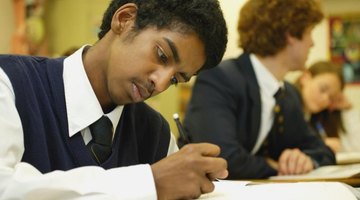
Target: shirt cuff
x: 127, y: 181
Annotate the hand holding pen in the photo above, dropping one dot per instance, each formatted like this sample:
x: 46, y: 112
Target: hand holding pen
x: 185, y: 140
x: 189, y: 172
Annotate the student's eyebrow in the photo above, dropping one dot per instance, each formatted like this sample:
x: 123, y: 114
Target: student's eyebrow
x: 176, y: 57
x: 173, y: 49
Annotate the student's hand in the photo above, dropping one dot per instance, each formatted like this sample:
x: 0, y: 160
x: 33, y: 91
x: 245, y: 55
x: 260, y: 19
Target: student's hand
x: 334, y: 143
x: 189, y: 172
x: 340, y: 102
x: 293, y: 161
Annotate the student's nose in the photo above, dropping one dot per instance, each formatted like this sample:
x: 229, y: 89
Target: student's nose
x: 161, y: 79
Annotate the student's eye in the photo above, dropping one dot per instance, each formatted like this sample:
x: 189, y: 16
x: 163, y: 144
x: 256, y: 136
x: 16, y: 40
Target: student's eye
x: 174, y: 81
x: 161, y: 55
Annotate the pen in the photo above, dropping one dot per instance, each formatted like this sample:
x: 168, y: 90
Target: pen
x: 181, y: 130
x: 320, y: 129
x: 183, y: 136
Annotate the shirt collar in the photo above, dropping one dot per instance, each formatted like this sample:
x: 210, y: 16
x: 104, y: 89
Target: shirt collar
x: 83, y: 107
x: 267, y: 81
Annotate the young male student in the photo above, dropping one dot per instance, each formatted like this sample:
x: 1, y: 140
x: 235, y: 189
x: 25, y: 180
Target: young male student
x: 50, y: 146
x: 233, y: 105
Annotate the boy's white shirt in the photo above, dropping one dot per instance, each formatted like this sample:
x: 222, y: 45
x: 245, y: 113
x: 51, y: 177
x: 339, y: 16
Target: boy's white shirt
x: 268, y: 86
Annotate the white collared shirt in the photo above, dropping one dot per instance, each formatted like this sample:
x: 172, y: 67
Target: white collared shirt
x: 268, y: 86
x: 20, y: 180
x: 83, y: 107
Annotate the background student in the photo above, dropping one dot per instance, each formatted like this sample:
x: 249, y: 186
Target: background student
x: 55, y: 113
x: 233, y: 105
x: 326, y: 107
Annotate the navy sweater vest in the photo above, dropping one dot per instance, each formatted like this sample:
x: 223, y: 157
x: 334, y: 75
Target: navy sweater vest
x: 142, y: 135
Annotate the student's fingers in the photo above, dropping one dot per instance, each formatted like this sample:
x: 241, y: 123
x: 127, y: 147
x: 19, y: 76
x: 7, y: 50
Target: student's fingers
x: 293, y: 161
x: 205, y: 149
x: 204, y: 186
x: 308, y: 165
x: 207, y: 185
x: 283, y: 162
x: 218, y: 175
x: 214, y: 167
x: 183, y: 175
x: 299, y: 162
x: 288, y: 161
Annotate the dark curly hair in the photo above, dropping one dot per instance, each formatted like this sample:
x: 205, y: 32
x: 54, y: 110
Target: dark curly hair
x: 263, y: 25
x: 204, y: 17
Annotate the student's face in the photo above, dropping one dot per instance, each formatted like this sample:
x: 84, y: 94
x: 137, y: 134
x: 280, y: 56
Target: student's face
x: 318, y: 92
x: 299, y: 50
x: 142, y: 65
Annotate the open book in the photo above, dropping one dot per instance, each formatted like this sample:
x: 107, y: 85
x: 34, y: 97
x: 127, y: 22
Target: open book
x: 326, y: 172
x: 244, y: 190
x: 347, y: 158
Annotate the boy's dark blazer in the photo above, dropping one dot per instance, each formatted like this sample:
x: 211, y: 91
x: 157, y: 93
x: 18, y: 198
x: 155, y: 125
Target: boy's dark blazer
x: 225, y: 109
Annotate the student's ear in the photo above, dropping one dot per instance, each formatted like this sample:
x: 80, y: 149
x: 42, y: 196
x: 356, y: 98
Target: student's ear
x: 290, y: 39
x: 124, y: 18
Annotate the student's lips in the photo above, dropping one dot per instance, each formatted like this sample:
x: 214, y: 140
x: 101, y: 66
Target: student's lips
x: 140, y: 93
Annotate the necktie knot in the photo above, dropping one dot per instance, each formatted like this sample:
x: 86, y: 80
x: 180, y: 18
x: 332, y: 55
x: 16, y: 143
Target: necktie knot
x: 100, y: 145
x: 280, y: 94
x: 102, y: 130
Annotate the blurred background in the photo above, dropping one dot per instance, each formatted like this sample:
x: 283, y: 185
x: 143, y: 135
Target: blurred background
x: 56, y: 27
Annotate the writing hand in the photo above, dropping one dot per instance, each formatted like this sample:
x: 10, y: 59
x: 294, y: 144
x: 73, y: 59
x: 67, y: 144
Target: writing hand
x: 189, y: 172
x: 293, y: 161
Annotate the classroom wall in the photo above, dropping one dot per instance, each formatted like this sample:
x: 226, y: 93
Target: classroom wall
x: 72, y: 23
x: 7, y: 25
x: 347, y: 7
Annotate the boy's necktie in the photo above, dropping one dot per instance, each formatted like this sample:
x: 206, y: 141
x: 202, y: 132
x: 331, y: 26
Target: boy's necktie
x: 277, y: 128
x: 100, y: 145
x: 278, y: 124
